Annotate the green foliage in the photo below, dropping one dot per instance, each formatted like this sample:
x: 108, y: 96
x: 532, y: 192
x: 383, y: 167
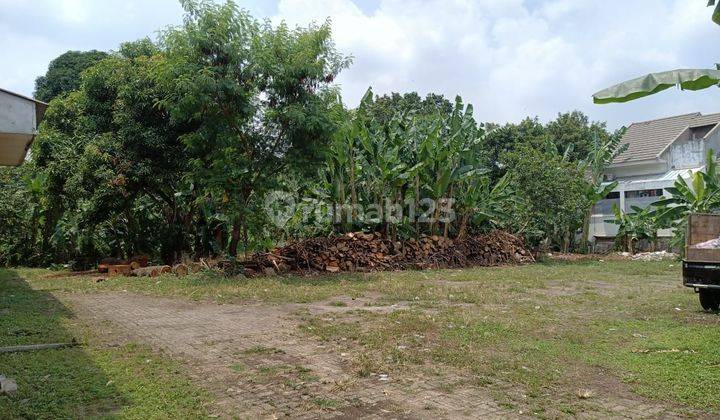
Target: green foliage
x: 20, y: 213
x: 257, y: 97
x: 171, y: 148
x: 398, y: 152
x: 164, y: 148
x: 552, y: 193
x: 571, y: 134
x: 640, y: 224
x: 574, y: 132
x: 63, y: 75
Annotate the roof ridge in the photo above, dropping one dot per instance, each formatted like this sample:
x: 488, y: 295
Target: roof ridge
x: 714, y: 114
x: 696, y: 114
x: 18, y: 95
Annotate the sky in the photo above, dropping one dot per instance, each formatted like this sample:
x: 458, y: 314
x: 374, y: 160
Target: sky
x: 509, y: 58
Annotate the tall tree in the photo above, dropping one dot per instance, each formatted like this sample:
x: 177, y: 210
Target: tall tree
x: 508, y: 138
x: 258, y: 96
x: 575, y: 133
x: 63, y: 74
x: 111, y: 159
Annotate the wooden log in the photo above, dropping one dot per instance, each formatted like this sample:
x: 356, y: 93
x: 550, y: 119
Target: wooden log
x: 165, y: 269
x: 195, y: 267
x: 147, y: 272
x: 142, y: 260
x: 180, y: 270
x: 119, y: 270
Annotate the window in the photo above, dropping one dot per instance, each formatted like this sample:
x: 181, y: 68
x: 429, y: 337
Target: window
x: 644, y: 193
x: 613, y: 196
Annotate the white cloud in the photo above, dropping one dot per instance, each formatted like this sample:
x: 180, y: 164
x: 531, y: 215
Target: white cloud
x: 510, y: 58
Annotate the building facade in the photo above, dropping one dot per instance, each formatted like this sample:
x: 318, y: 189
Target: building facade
x: 658, y: 152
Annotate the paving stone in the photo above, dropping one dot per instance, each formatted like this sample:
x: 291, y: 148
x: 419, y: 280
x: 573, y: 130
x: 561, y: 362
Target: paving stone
x: 212, y: 337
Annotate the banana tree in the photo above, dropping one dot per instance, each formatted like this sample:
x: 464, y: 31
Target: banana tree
x: 701, y: 195
x: 686, y: 79
x: 484, y: 204
x: 635, y: 226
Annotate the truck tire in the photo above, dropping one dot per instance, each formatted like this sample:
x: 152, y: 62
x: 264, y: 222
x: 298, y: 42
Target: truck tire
x: 709, y: 299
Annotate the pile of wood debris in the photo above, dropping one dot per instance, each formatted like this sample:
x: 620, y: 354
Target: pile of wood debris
x: 366, y: 252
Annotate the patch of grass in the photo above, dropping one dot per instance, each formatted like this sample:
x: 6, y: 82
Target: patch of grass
x: 665, y: 359
x: 547, y: 327
x: 262, y: 350
x: 338, y: 303
x: 89, y: 381
x: 305, y: 374
x: 209, y: 286
x: 327, y: 403
x: 239, y: 367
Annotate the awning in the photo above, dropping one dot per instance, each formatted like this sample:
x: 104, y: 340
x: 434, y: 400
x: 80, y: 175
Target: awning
x: 651, y: 182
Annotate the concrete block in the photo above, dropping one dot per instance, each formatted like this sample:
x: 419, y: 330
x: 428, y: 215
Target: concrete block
x: 7, y: 386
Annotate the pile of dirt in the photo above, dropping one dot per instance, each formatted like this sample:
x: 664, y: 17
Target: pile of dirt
x: 366, y: 252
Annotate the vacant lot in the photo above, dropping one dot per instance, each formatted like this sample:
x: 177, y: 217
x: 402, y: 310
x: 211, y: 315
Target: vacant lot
x: 596, y: 338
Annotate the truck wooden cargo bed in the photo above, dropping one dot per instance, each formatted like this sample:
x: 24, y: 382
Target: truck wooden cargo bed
x: 701, y: 266
x: 701, y: 228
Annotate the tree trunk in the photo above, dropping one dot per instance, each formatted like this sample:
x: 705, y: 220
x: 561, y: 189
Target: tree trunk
x: 235, y: 238
x: 586, y: 231
x: 417, y: 205
x: 462, y: 231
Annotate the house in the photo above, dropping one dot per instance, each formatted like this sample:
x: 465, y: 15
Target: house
x: 658, y: 152
x: 19, y: 119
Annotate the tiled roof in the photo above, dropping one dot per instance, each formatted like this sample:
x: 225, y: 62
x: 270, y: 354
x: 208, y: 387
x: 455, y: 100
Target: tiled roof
x: 712, y: 119
x: 646, y: 140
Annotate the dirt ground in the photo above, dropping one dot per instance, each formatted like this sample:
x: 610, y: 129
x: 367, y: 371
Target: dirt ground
x: 257, y: 362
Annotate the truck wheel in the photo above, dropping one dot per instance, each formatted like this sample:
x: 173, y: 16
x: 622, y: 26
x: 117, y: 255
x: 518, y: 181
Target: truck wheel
x: 709, y: 299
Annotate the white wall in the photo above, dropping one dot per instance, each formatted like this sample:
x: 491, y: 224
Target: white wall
x: 18, y: 127
x: 17, y: 115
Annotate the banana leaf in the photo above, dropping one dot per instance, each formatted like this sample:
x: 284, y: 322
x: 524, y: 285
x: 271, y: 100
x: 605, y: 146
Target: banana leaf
x: 686, y: 79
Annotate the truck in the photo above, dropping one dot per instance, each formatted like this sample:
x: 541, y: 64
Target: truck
x: 701, y: 265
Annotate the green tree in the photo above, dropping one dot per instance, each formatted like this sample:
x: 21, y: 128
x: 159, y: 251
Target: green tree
x: 64, y: 72
x: 385, y: 108
x: 257, y: 96
x: 502, y: 140
x: 551, y: 192
x: 573, y: 132
x: 113, y: 164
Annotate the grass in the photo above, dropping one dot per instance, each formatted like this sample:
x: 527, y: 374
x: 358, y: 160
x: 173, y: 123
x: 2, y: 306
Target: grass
x: 553, y: 338
x: 95, y: 380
